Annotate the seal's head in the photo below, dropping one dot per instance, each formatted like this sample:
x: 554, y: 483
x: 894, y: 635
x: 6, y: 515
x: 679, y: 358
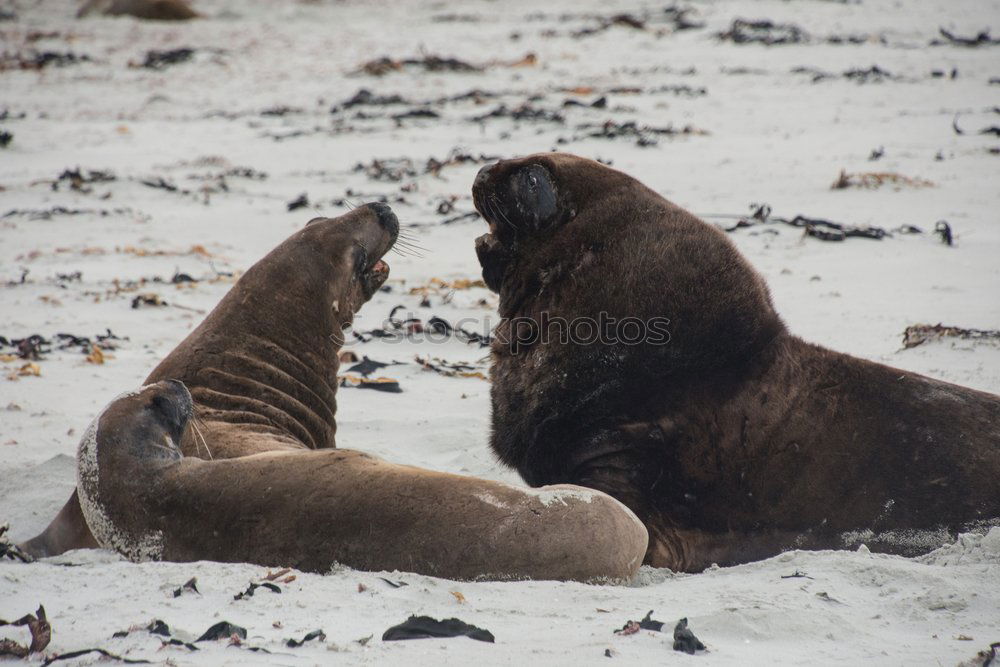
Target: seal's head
x: 316, y: 280
x: 527, y: 201
x: 353, y: 245
x: 120, y: 457
x: 147, y: 423
x: 573, y: 238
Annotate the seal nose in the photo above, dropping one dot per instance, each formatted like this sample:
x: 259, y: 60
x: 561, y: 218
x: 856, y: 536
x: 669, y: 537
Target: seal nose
x: 385, y: 216
x: 180, y: 396
x: 483, y: 177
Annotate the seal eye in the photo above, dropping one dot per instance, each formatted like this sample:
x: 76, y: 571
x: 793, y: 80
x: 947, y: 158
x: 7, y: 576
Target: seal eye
x: 535, y: 197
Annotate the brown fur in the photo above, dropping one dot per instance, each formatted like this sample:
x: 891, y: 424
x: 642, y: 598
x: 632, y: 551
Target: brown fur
x: 314, y: 509
x: 211, y: 458
x: 261, y: 381
x: 735, y: 440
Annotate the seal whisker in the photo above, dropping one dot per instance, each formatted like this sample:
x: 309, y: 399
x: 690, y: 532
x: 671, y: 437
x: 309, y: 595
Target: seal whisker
x: 404, y: 252
x: 410, y: 245
x: 412, y: 249
x: 416, y: 252
x: 194, y: 425
x: 490, y: 208
x: 406, y: 235
x: 497, y: 212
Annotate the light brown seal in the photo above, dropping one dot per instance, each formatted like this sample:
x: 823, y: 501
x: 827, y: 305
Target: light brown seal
x: 729, y: 437
x: 228, y: 452
x: 314, y: 509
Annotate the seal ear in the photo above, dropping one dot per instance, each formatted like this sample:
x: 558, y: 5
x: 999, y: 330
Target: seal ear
x: 534, y: 194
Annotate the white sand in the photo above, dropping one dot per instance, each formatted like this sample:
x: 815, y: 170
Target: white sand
x: 775, y: 137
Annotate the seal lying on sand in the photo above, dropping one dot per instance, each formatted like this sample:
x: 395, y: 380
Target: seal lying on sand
x: 157, y: 10
x: 729, y: 437
x: 312, y: 509
x: 228, y: 453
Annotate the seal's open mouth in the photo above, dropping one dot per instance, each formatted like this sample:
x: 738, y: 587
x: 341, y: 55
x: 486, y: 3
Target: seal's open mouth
x: 490, y: 215
x: 373, y: 278
x: 495, y: 258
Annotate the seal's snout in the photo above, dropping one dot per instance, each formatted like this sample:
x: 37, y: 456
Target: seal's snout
x: 385, y: 217
x: 482, y: 193
x: 180, y: 395
x: 483, y: 177
x: 173, y: 405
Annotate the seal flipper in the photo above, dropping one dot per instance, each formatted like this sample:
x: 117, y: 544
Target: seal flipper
x: 67, y: 531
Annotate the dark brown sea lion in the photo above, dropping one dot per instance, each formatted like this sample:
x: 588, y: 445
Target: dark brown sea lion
x: 156, y: 10
x: 729, y: 437
x: 228, y: 452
